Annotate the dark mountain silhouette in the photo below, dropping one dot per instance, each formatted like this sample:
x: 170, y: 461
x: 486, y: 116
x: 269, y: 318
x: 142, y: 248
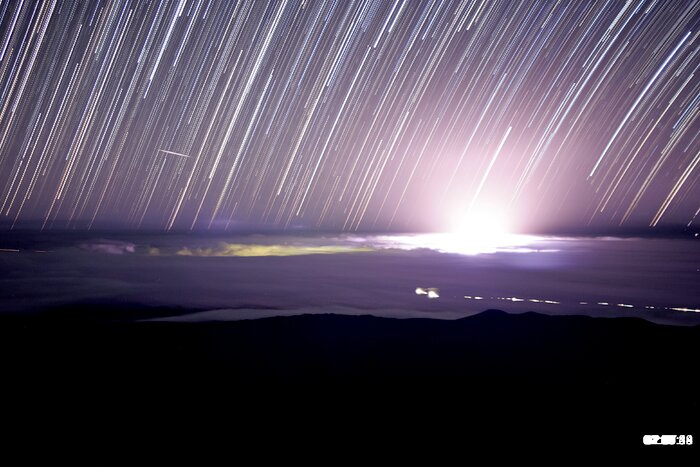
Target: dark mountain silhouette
x: 493, y: 374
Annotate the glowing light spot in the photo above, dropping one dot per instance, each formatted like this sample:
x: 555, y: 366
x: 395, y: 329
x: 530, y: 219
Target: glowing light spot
x: 512, y: 299
x: 482, y: 231
x: 431, y: 292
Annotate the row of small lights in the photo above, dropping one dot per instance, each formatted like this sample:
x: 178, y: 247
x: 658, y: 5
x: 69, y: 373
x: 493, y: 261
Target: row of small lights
x: 621, y: 305
x: 432, y: 292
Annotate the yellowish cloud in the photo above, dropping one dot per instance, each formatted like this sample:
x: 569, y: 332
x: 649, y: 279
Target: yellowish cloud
x: 240, y: 249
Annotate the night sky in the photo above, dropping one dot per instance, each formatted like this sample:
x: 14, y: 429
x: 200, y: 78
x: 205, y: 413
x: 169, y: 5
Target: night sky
x: 352, y: 115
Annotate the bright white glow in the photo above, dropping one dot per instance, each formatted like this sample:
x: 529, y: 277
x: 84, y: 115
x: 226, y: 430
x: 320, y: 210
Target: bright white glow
x: 431, y: 292
x: 482, y: 231
x: 479, y: 232
x: 482, y: 227
x: 695, y: 310
x: 456, y: 243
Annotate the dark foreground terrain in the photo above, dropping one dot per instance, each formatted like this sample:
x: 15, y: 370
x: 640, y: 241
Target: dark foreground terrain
x: 492, y: 378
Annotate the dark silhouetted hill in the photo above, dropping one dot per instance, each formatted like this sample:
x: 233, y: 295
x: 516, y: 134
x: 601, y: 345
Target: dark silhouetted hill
x: 493, y: 374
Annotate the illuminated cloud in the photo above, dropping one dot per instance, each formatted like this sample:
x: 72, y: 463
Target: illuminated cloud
x: 112, y: 247
x: 239, y: 249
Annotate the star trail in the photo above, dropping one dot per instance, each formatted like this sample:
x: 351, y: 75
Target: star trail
x: 349, y: 115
